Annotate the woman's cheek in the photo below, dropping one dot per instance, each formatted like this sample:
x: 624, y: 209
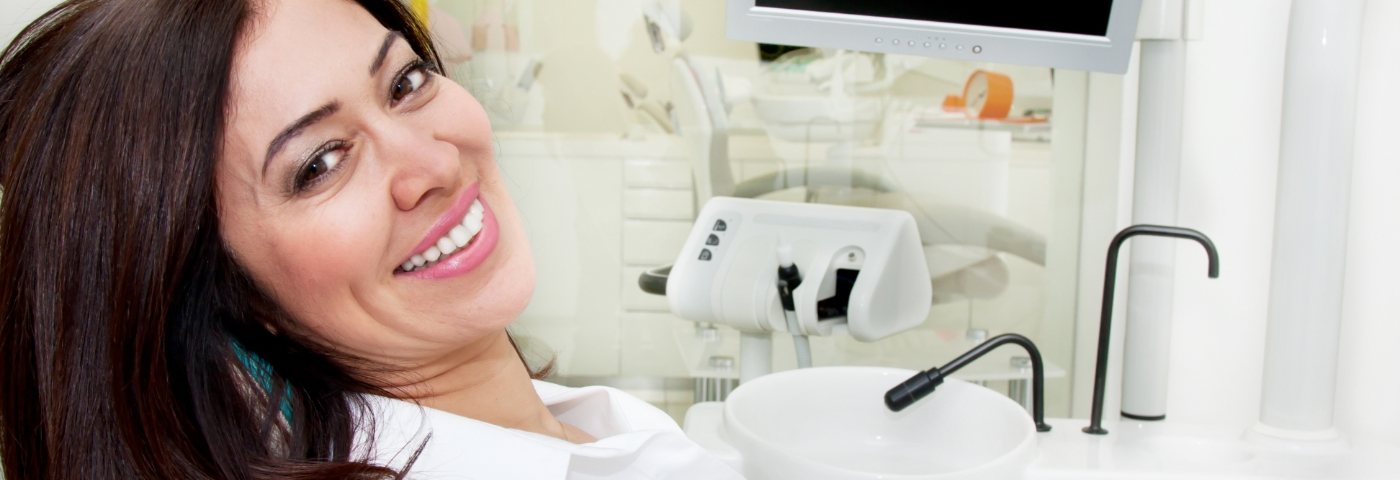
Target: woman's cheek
x: 329, y: 254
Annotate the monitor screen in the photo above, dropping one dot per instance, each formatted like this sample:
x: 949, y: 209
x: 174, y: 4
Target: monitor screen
x: 1084, y: 17
x: 1092, y: 35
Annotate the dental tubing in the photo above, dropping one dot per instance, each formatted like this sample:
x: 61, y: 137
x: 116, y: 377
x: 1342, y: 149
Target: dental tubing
x: 788, y: 280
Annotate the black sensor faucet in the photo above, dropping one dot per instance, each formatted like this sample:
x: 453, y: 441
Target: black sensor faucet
x: 923, y: 383
x: 1106, y: 311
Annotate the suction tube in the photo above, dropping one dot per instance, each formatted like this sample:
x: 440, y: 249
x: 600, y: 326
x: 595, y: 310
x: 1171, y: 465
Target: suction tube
x: 788, y: 280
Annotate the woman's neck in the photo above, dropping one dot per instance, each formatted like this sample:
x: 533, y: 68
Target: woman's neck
x: 487, y: 382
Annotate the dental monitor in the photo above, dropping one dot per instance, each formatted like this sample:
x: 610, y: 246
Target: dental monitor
x: 1094, y: 35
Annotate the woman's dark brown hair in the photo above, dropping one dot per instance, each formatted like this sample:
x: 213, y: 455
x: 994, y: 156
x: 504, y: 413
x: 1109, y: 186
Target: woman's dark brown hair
x: 131, y: 344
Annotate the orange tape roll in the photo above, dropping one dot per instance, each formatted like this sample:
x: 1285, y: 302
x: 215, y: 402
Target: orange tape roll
x: 953, y: 103
x: 988, y: 95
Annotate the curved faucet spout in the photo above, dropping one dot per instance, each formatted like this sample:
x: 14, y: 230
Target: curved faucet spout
x: 1106, y: 311
x: 923, y: 383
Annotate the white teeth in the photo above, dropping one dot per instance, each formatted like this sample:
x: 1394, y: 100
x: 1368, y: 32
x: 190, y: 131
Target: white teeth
x: 456, y: 239
x: 460, y: 236
x: 473, y: 222
x: 445, y: 244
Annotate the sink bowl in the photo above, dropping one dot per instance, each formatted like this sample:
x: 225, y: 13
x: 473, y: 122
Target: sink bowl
x: 831, y: 423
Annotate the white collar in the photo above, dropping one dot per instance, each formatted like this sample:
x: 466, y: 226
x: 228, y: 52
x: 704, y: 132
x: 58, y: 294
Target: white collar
x: 622, y: 424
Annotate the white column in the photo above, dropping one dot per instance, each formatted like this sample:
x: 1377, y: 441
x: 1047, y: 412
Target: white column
x: 1310, y: 226
x: 1365, y: 401
x: 755, y: 355
x: 1151, y: 270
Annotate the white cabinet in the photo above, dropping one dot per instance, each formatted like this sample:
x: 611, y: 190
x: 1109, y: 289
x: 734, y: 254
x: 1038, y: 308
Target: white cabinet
x: 599, y: 210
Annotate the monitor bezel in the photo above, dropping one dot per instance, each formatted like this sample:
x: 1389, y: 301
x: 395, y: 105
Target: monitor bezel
x: 1109, y: 53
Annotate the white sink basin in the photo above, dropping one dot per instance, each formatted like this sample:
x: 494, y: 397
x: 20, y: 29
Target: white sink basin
x: 831, y: 423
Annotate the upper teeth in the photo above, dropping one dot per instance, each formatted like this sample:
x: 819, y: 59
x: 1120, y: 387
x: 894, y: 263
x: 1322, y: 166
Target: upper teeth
x: 458, y: 237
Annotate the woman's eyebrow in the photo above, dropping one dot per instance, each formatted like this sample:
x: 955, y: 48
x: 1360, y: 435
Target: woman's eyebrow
x: 384, y: 51
x: 295, y: 129
x: 326, y: 110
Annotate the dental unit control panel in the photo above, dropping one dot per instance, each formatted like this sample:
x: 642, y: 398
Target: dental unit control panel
x: 863, y: 270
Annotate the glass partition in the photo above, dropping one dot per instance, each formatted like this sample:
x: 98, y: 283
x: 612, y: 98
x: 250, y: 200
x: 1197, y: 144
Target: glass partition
x: 616, y: 119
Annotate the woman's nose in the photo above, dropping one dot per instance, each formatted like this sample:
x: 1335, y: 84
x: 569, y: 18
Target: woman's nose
x: 419, y: 165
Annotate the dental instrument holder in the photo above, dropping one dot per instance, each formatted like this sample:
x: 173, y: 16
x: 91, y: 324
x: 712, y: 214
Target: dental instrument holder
x: 1106, y: 311
x: 863, y: 273
x: 789, y: 278
x: 923, y: 383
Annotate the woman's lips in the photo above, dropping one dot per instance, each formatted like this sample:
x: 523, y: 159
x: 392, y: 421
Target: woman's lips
x: 449, y: 219
x: 464, y: 259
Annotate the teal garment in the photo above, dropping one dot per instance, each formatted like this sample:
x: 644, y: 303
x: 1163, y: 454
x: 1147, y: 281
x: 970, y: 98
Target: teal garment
x: 262, y: 373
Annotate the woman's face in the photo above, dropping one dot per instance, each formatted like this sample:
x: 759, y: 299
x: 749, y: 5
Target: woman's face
x: 348, y: 159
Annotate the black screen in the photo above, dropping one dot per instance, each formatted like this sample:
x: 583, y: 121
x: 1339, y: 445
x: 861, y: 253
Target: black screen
x: 1086, y: 17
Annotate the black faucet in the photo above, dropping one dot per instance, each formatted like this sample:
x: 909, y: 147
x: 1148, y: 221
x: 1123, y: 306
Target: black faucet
x: 923, y: 383
x: 1106, y: 312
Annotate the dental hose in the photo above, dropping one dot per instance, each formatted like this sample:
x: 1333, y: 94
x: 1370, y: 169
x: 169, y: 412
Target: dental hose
x: 788, y: 280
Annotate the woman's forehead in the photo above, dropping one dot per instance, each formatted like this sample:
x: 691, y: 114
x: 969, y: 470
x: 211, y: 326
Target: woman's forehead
x: 299, y: 40
x: 298, y: 55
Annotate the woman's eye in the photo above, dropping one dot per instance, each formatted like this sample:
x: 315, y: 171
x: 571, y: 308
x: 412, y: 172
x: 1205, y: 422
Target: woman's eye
x: 410, y: 81
x: 323, y: 162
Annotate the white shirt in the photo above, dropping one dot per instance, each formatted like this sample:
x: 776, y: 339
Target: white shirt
x: 635, y: 441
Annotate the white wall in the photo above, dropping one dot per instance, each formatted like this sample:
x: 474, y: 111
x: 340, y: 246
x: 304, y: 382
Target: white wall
x: 1231, y: 141
x: 15, y: 14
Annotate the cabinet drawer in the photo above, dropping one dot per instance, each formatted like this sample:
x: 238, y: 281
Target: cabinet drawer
x: 656, y: 204
x: 652, y: 242
x: 657, y: 174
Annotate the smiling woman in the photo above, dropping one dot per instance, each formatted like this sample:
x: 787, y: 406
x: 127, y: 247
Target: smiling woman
x: 266, y: 239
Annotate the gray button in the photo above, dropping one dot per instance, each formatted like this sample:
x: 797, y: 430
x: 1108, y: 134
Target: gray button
x: 720, y: 226
x: 705, y: 255
x: 713, y: 240
x: 976, y: 49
